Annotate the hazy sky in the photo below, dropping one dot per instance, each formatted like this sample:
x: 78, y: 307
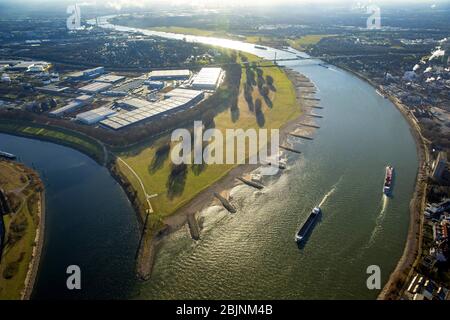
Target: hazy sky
x: 222, y: 2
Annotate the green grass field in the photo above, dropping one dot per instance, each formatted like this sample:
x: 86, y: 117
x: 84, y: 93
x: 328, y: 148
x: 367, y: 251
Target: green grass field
x: 17, y: 257
x: 154, y: 171
x: 303, y: 42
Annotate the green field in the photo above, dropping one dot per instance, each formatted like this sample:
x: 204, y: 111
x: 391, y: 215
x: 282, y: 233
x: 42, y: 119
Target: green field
x: 65, y: 137
x: 154, y: 171
x: 18, y: 253
x: 304, y: 42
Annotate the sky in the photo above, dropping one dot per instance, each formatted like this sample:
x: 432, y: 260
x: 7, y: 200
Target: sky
x: 137, y: 3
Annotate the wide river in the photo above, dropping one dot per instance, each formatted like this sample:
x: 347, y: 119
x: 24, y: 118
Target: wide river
x: 251, y: 254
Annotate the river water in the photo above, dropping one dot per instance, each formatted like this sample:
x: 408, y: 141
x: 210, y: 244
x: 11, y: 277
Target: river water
x: 251, y: 254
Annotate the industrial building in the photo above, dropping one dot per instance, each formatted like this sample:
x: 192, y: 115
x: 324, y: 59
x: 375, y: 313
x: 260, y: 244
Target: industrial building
x: 87, y: 74
x: 52, y: 89
x: 110, y: 78
x: 161, y: 75
x: 144, y: 110
x: 95, y: 87
x: 76, y: 104
x: 95, y: 115
x: 207, y: 79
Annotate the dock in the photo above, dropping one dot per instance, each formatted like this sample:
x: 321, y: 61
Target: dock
x: 194, y: 228
x: 250, y: 183
x: 316, y: 107
x: 300, y: 136
x: 226, y: 204
x: 311, y: 98
x: 290, y: 149
x: 309, y: 125
x: 314, y: 115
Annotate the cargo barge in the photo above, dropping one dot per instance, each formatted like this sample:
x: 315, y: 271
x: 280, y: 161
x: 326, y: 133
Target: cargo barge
x: 308, y: 225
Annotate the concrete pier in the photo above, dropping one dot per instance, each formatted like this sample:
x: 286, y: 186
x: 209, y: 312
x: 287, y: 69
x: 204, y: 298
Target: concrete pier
x: 290, y: 149
x: 300, y: 136
x: 250, y: 183
x: 227, y: 205
x: 309, y: 125
x: 194, y: 228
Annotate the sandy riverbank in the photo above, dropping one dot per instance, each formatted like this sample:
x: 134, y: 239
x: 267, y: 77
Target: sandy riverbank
x: 206, y: 197
x: 33, y: 267
x: 409, y: 258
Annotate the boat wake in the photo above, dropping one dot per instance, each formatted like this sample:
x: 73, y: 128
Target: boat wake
x: 333, y: 189
x: 379, y: 220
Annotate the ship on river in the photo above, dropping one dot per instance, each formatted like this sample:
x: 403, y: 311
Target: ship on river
x: 308, y: 225
x: 387, y: 187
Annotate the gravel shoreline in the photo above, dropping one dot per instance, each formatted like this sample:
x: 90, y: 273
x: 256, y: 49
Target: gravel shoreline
x: 33, y: 266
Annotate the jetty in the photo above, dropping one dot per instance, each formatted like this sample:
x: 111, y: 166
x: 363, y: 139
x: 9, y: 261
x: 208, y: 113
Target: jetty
x: 194, y: 228
x: 314, y: 115
x: 290, y: 149
x: 226, y: 204
x: 300, y: 136
x: 311, y: 98
x: 250, y: 183
x: 309, y: 125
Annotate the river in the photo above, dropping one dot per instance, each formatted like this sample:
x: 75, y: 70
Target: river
x: 251, y: 254
x: 89, y: 223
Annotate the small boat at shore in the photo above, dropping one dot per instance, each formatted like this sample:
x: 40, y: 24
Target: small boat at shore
x: 380, y: 94
x: 7, y: 155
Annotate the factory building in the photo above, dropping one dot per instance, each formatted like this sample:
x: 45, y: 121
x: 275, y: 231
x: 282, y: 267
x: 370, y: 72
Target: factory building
x: 207, y: 79
x: 52, y: 89
x: 95, y: 87
x: 76, y: 104
x: 162, y: 75
x: 180, y: 99
x: 110, y: 78
x: 87, y: 74
x: 95, y: 115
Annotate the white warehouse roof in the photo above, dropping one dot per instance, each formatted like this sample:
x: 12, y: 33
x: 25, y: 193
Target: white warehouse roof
x: 95, y: 87
x: 145, y: 110
x: 95, y: 115
x: 207, y: 79
x: 169, y: 74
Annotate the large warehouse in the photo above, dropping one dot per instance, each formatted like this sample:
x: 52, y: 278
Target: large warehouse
x: 143, y: 110
x: 159, y: 75
x: 95, y: 115
x: 95, y: 87
x: 75, y: 104
x: 207, y: 79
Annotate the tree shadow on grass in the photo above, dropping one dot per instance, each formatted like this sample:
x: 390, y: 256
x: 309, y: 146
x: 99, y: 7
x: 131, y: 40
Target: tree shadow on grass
x: 260, y: 118
x: 161, y: 155
x: 176, y: 181
x: 235, y: 113
x: 197, y: 169
x: 268, y: 101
